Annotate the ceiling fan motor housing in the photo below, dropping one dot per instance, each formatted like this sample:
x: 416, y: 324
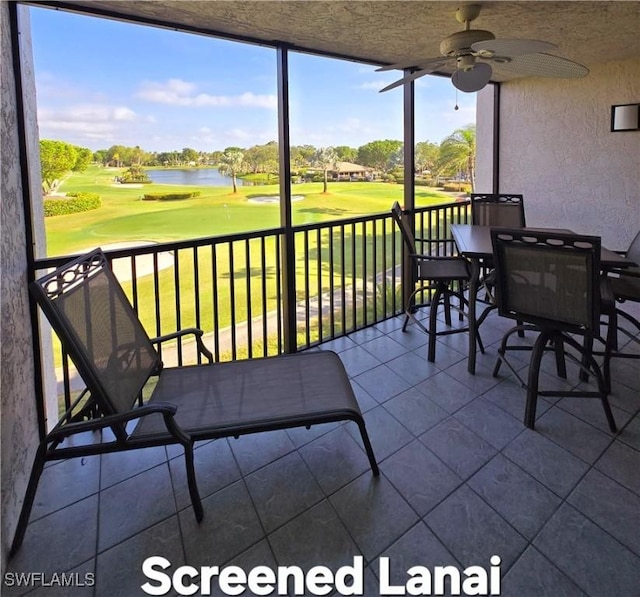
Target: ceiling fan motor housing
x: 461, y: 42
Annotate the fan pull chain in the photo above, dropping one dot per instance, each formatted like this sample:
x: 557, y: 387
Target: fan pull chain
x: 456, y: 106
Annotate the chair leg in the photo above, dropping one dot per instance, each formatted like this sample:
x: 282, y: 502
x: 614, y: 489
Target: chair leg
x: 479, y: 341
x: 586, y: 353
x: 447, y: 306
x: 589, y: 363
x: 196, y: 502
x: 604, y: 391
x: 612, y: 329
x: 532, y: 383
x: 611, y: 344
x: 27, y: 504
x: 561, y: 365
x: 367, y: 446
x: 433, y: 312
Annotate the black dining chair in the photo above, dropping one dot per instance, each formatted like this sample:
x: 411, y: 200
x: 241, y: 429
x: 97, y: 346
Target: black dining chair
x: 551, y: 283
x: 498, y: 209
x: 439, y: 277
x: 624, y: 285
x: 495, y: 209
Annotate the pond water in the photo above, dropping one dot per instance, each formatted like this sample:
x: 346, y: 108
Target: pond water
x: 195, y: 177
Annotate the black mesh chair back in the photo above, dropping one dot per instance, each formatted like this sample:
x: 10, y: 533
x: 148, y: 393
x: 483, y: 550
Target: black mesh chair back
x: 407, y: 234
x: 437, y: 275
x: 98, y: 327
x: 497, y: 209
x: 550, y: 280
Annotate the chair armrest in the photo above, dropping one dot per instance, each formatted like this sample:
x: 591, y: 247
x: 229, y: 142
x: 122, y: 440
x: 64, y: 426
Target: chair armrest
x: 202, y: 349
x: 166, y: 409
x: 624, y: 272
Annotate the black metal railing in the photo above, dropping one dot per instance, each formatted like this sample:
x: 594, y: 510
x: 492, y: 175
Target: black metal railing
x: 349, y: 274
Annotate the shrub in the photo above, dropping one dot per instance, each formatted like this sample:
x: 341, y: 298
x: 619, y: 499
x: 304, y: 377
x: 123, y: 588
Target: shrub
x: 169, y: 196
x: 457, y: 187
x: 135, y: 174
x: 426, y: 182
x: 71, y: 204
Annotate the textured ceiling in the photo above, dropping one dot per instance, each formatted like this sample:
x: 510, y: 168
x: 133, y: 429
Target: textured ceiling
x: 399, y: 31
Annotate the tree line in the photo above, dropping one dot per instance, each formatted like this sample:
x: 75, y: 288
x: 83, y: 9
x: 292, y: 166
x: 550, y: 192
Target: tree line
x: 454, y: 155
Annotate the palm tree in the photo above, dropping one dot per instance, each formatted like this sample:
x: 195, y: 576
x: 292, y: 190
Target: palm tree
x: 458, y: 151
x: 325, y: 158
x: 231, y: 163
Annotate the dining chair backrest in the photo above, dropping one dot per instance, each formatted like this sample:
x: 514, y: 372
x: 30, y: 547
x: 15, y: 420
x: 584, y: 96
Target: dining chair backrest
x: 403, y: 224
x: 548, y: 279
x: 497, y: 209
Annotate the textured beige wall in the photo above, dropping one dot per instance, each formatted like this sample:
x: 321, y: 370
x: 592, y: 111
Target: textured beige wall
x: 19, y: 434
x: 556, y: 147
x: 484, y: 139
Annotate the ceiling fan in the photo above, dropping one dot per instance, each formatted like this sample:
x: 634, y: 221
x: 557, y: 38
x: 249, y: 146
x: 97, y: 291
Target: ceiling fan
x: 473, y: 52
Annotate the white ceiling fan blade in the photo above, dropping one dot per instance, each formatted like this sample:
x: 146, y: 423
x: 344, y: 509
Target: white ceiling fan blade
x: 473, y: 79
x: 511, y: 47
x: 542, y: 65
x: 418, y: 64
x: 412, y: 77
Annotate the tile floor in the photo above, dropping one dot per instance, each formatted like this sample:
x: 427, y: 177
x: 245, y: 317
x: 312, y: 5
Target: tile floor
x: 461, y: 480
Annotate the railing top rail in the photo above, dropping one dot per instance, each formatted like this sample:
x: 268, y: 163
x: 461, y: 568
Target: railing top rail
x: 48, y: 262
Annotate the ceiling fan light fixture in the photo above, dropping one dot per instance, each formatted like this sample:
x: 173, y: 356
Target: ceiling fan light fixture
x: 473, y: 79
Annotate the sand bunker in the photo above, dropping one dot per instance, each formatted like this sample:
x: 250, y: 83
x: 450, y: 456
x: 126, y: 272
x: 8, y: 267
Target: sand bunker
x: 144, y: 263
x: 127, y: 185
x: 273, y: 199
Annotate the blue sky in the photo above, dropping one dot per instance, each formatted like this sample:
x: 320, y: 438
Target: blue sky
x: 101, y: 82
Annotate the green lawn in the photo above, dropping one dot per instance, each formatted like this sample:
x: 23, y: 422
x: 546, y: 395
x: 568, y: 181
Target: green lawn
x: 123, y: 217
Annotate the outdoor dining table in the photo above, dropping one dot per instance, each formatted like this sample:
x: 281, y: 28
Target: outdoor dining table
x: 474, y: 243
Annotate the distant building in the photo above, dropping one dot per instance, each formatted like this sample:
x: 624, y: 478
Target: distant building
x: 349, y: 171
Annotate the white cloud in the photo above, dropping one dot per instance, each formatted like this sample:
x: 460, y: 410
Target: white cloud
x: 90, y: 122
x: 177, y: 92
x: 350, y: 131
x: 123, y: 114
x: 219, y: 138
x: 94, y: 113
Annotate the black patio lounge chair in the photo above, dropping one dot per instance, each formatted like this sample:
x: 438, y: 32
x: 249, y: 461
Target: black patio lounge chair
x: 438, y: 276
x: 115, y: 357
x: 551, y: 282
